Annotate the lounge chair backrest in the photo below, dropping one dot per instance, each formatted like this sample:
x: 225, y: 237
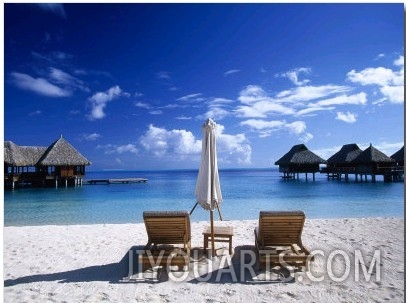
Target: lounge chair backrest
x: 167, y: 227
x: 280, y: 227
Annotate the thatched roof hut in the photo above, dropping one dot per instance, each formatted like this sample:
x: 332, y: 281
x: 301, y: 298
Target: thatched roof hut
x: 60, y: 153
x: 37, y: 165
x: 15, y: 155
x: 345, y: 155
x: 299, y: 160
x: 399, y: 156
x: 374, y: 162
x: 300, y: 155
x: 372, y: 155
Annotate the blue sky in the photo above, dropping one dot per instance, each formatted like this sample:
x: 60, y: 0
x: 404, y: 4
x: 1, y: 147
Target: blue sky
x: 130, y: 85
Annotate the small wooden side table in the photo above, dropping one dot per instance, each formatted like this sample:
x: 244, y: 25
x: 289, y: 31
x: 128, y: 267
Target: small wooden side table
x: 221, y: 234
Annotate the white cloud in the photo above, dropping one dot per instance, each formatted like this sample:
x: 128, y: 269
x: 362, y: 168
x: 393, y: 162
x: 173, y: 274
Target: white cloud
x: 307, y: 93
x: 263, y: 124
x: 378, y: 76
x: 57, y: 84
x: 390, y: 82
x: 143, y: 105
x: 346, y: 117
x: 379, y: 56
x: 358, y: 99
x: 160, y: 142
x: 39, y: 85
x: 309, y: 111
x: 54, y: 57
x: 396, y: 94
x: 232, y: 148
x: 306, y: 137
x: 60, y: 77
x: 91, y: 137
x: 183, y: 118
x: 252, y: 94
x: 249, y: 112
x: 217, y: 109
x: 181, y: 144
x: 388, y: 148
x: 119, y: 149
x: 400, y: 61
x: 129, y: 148
x: 56, y: 8
x: 230, y: 72
x: 266, y: 128
x: 191, y: 97
x: 256, y: 103
x: 99, y: 101
x: 216, y: 113
x: 156, y: 112
x: 163, y: 75
x: 293, y: 75
x: 327, y: 152
x: 35, y: 113
x: 220, y: 101
x: 297, y: 127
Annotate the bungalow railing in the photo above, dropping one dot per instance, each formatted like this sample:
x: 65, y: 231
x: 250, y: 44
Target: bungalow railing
x: 364, y: 169
x: 344, y: 170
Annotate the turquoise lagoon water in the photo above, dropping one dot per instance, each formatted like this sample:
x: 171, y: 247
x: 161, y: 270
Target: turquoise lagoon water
x: 245, y: 193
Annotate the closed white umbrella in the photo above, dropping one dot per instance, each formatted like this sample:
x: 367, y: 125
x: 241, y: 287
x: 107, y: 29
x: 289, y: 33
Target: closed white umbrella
x: 208, y: 191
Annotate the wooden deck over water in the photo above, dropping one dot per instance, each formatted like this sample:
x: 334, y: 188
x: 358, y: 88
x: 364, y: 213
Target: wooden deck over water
x: 115, y: 181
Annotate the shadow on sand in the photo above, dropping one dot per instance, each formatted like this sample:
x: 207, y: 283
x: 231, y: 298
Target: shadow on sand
x: 240, y: 268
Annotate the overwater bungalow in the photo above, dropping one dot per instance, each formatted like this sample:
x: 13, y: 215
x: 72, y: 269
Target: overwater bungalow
x: 299, y: 160
x: 58, y: 164
x: 399, y: 167
x: 399, y: 157
x: 373, y: 162
x: 341, y: 163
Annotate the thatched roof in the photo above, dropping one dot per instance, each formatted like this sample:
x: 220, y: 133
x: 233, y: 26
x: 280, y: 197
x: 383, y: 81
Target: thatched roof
x: 372, y: 155
x: 22, y: 155
x: 61, y: 152
x: 399, y: 156
x: 345, y: 155
x: 300, y: 154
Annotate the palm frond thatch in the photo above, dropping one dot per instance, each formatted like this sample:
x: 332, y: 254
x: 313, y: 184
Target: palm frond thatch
x: 399, y: 156
x: 300, y: 154
x: 372, y: 155
x: 61, y: 152
x: 22, y: 155
x: 345, y: 155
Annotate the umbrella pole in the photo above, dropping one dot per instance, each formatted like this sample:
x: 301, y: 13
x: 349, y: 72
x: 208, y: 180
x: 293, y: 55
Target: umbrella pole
x: 212, y: 233
x: 193, y: 208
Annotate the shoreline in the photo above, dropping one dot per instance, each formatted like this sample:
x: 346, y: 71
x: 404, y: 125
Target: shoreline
x: 204, y: 221
x: 91, y: 263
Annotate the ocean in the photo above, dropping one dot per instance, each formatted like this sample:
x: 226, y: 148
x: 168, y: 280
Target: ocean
x: 245, y: 193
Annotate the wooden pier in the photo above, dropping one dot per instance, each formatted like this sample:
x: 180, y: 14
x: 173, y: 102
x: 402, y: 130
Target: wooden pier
x: 115, y: 181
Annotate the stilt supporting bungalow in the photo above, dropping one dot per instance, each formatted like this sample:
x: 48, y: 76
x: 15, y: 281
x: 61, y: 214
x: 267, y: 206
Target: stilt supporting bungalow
x: 60, y: 164
x: 299, y: 160
x: 362, y: 164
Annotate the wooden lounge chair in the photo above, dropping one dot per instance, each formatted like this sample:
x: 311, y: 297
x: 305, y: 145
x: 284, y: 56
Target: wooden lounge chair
x: 166, y: 229
x: 278, y: 235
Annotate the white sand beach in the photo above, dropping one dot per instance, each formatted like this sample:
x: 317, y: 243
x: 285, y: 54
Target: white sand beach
x: 90, y: 263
